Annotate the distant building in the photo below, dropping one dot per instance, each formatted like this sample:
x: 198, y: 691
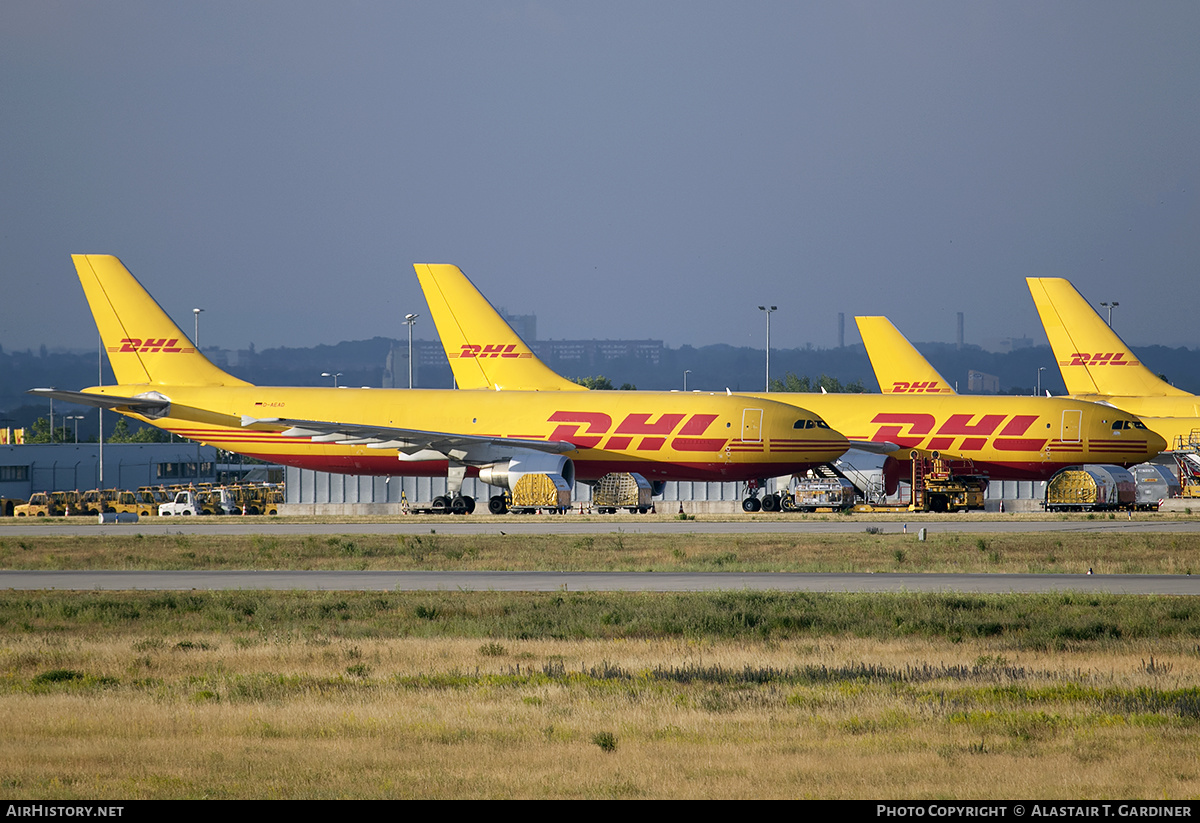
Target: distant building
x: 1008, y: 345
x: 523, y: 324
x: 980, y: 383
x: 591, y: 353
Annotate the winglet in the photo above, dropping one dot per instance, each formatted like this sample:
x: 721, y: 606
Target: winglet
x: 483, y: 350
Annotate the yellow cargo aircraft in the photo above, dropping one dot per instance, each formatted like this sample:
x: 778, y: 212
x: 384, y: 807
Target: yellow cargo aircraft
x: 1097, y: 365
x: 497, y: 436
x: 1005, y: 437
x: 902, y: 369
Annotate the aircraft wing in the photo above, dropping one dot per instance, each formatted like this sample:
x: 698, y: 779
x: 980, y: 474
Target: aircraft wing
x: 874, y: 446
x: 464, y: 448
x: 147, y: 405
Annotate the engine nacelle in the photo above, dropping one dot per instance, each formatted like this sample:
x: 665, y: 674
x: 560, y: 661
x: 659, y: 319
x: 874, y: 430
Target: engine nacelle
x: 506, y: 474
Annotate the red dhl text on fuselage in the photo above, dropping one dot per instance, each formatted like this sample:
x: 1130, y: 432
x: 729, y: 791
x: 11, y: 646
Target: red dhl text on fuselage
x: 989, y: 429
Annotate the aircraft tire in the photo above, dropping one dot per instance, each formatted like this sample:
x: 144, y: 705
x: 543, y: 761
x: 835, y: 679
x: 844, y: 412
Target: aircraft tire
x: 440, y: 505
x: 496, y: 504
x: 458, y: 505
x: 770, y: 503
x: 751, y: 505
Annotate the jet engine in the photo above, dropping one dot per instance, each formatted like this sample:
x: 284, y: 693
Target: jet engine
x: 505, y: 474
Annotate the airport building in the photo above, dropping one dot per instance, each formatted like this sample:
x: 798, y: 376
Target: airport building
x: 25, y: 469
x: 308, y: 492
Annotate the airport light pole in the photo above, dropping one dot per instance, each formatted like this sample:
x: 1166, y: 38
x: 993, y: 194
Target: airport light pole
x: 1039, y: 388
x: 409, y: 320
x: 768, y: 310
x: 686, y: 372
x: 1110, y: 307
x: 76, y: 418
x: 100, y: 411
x: 196, y: 336
x: 335, y: 377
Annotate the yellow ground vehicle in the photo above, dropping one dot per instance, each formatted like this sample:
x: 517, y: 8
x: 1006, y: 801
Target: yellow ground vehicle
x: 68, y: 503
x: 122, y: 501
x: 216, y: 501
x: 941, y: 485
x: 41, y: 504
x: 149, y: 498
x: 256, y: 499
x: 106, y: 501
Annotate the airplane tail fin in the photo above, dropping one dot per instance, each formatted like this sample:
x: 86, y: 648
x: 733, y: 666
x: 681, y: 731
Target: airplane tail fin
x: 483, y: 349
x: 1093, y: 359
x: 144, y: 345
x: 899, y: 368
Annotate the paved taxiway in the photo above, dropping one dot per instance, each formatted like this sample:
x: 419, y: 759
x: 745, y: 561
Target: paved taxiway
x: 86, y: 527
x: 591, y: 581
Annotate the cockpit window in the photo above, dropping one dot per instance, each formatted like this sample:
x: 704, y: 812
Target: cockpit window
x: 810, y: 424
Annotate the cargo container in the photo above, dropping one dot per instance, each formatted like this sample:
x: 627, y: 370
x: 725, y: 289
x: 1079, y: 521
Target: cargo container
x: 1092, y: 487
x: 810, y: 495
x: 1155, y: 484
x: 536, y: 491
x: 622, y: 490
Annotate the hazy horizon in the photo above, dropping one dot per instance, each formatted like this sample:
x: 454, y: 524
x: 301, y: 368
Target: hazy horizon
x: 621, y: 169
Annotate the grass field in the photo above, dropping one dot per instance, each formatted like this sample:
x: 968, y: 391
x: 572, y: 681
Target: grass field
x: 593, y: 695
x: 1042, y: 553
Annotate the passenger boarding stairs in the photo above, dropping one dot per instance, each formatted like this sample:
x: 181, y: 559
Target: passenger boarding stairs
x: 869, y: 486
x: 1187, y: 457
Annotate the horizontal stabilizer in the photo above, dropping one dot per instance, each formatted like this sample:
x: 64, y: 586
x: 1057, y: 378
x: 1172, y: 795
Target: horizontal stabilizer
x: 151, y: 404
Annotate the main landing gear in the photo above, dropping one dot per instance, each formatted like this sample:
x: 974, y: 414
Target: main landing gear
x: 458, y: 504
x: 751, y: 503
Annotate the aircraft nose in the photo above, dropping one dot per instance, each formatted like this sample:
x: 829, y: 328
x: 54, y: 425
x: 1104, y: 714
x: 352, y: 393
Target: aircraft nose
x: 1155, y: 442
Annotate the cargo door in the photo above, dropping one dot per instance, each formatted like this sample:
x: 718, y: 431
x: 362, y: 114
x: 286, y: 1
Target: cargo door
x: 1071, y: 424
x: 752, y: 424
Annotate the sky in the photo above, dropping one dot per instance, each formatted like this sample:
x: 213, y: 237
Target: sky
x: 620, y: 169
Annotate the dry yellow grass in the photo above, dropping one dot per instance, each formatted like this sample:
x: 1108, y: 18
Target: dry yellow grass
x: 1036, y: 552
x: 295, y: 718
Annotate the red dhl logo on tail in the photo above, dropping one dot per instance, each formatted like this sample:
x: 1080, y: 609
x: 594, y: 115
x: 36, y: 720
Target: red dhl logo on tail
x: 587, y: 430
x: 150, y: 344
x: 491, y: 350
x: 1098, y: 359
x: 916, y: 387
